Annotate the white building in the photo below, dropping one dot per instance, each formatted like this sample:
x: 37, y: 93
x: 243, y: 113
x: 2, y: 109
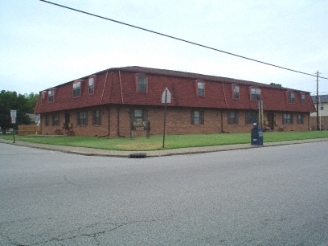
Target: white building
x: 323, y: 112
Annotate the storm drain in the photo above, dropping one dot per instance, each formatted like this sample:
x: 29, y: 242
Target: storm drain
x: 137, y: 155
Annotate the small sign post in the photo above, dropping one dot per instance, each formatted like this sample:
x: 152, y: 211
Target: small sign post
x: 260, y: 106
x: 166, y: 98
x: 13, y: 114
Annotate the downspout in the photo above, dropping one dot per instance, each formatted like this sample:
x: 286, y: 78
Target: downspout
x: 41, y: 124
x: 119, y: 74
x: 225, y: 100
x: 102, y: 96
x: 105, y: 82
x: 222, y: 120
x: 118, y: 107
x: 118, y: 121
x: 108, y: 119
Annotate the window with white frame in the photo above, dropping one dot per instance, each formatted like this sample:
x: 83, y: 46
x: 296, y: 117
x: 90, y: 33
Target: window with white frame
x: 77, y: 89
x: 43, y: 97
x: 197, y: 117
x: 91, y: 85
x: 291, y: 97
x: 303, y: 98
x: 255, y: 93
x: 142, y: 83
x: 51, y: 96
x: 200, y: 89
x: 235, y: 91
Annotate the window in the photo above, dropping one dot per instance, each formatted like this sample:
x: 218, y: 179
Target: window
x: 287, y: 119
x: 55, y: 120
x: 322, y: 107
x: 139, y: 114
x: 232, y: 117
x: 255, y: 94
x: 51, y: 96
x: 235, y: 92
x: 251, y: 117
x: 46, y: 120
x: 300, y: 119
x: 91, y: 85
x: 303, y: 98
x: 201, y: 89
x: 43, y: 96
x: 82, y: 118
x: 77, y: 89
x: 197, y: 117
x: 96, y: 117
x: 141, y: 83
x: 291, y: 97
x: 139, y: 120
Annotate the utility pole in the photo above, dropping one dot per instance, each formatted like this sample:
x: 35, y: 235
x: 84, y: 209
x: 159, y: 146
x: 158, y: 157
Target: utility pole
x: 318, y: 123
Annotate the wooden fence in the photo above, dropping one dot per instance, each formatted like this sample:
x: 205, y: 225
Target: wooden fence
x: 28, y: 130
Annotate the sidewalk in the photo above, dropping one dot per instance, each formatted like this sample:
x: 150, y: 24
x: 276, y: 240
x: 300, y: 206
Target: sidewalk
x: 153, y: 153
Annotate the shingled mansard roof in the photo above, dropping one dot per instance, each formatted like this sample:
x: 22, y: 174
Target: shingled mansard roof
x: 117, y: 86
x: 179, y: 74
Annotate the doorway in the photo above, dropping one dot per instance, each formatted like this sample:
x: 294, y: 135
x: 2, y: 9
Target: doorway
x: 271, y: 120
x: 67, y: 121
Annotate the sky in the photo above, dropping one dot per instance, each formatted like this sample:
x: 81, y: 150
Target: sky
x: 42, y: 45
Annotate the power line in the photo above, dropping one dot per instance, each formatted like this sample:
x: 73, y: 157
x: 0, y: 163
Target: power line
x: 182, y: 40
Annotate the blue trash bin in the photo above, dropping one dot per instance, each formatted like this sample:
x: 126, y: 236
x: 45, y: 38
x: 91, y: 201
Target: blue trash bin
x: 256, y: 135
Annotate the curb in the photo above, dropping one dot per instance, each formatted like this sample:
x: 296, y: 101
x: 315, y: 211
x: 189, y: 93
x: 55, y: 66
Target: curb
x: 154, y: 153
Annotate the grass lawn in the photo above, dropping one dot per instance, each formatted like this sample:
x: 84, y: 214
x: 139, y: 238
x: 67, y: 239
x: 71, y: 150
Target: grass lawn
x: 171, y: 141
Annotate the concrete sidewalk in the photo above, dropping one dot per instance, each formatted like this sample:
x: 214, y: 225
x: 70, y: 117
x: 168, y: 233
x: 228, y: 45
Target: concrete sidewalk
x: 153, y: 153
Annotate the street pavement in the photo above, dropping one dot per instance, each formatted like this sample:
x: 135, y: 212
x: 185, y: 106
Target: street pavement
x: 257, y: 196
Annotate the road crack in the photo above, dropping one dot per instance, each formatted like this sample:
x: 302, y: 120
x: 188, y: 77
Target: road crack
x: 80, y: 232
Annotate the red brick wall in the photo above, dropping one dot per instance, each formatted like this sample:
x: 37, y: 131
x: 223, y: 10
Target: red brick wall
x: 115, y: 122
x: 88, y: 130
x: 178, y: 121
x: 324, y: 122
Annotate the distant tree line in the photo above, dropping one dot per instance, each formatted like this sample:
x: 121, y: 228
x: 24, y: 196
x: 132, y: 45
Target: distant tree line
x: 276, y: 84
x: 10, y: 100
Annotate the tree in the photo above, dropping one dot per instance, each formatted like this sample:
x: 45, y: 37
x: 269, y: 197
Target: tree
x: 276, y: 84
x: 32, y: 98
x: 11, y: 101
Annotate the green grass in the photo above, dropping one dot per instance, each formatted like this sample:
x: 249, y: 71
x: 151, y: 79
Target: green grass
x: 171, y: 141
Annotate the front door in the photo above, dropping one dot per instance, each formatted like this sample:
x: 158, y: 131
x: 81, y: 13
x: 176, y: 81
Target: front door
x: 271, y: 120
x: 67, y: 121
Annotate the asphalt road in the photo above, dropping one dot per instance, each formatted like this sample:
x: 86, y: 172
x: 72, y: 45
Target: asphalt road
x: 259, y: 196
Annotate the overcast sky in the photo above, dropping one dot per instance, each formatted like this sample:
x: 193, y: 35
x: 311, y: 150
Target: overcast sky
x: 42, y: 45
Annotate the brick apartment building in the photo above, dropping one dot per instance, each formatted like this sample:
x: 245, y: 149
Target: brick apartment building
x: 128, y: 101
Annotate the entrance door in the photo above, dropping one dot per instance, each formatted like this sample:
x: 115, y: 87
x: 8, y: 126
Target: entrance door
x: 67, y: 120
x: 271, y: 120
